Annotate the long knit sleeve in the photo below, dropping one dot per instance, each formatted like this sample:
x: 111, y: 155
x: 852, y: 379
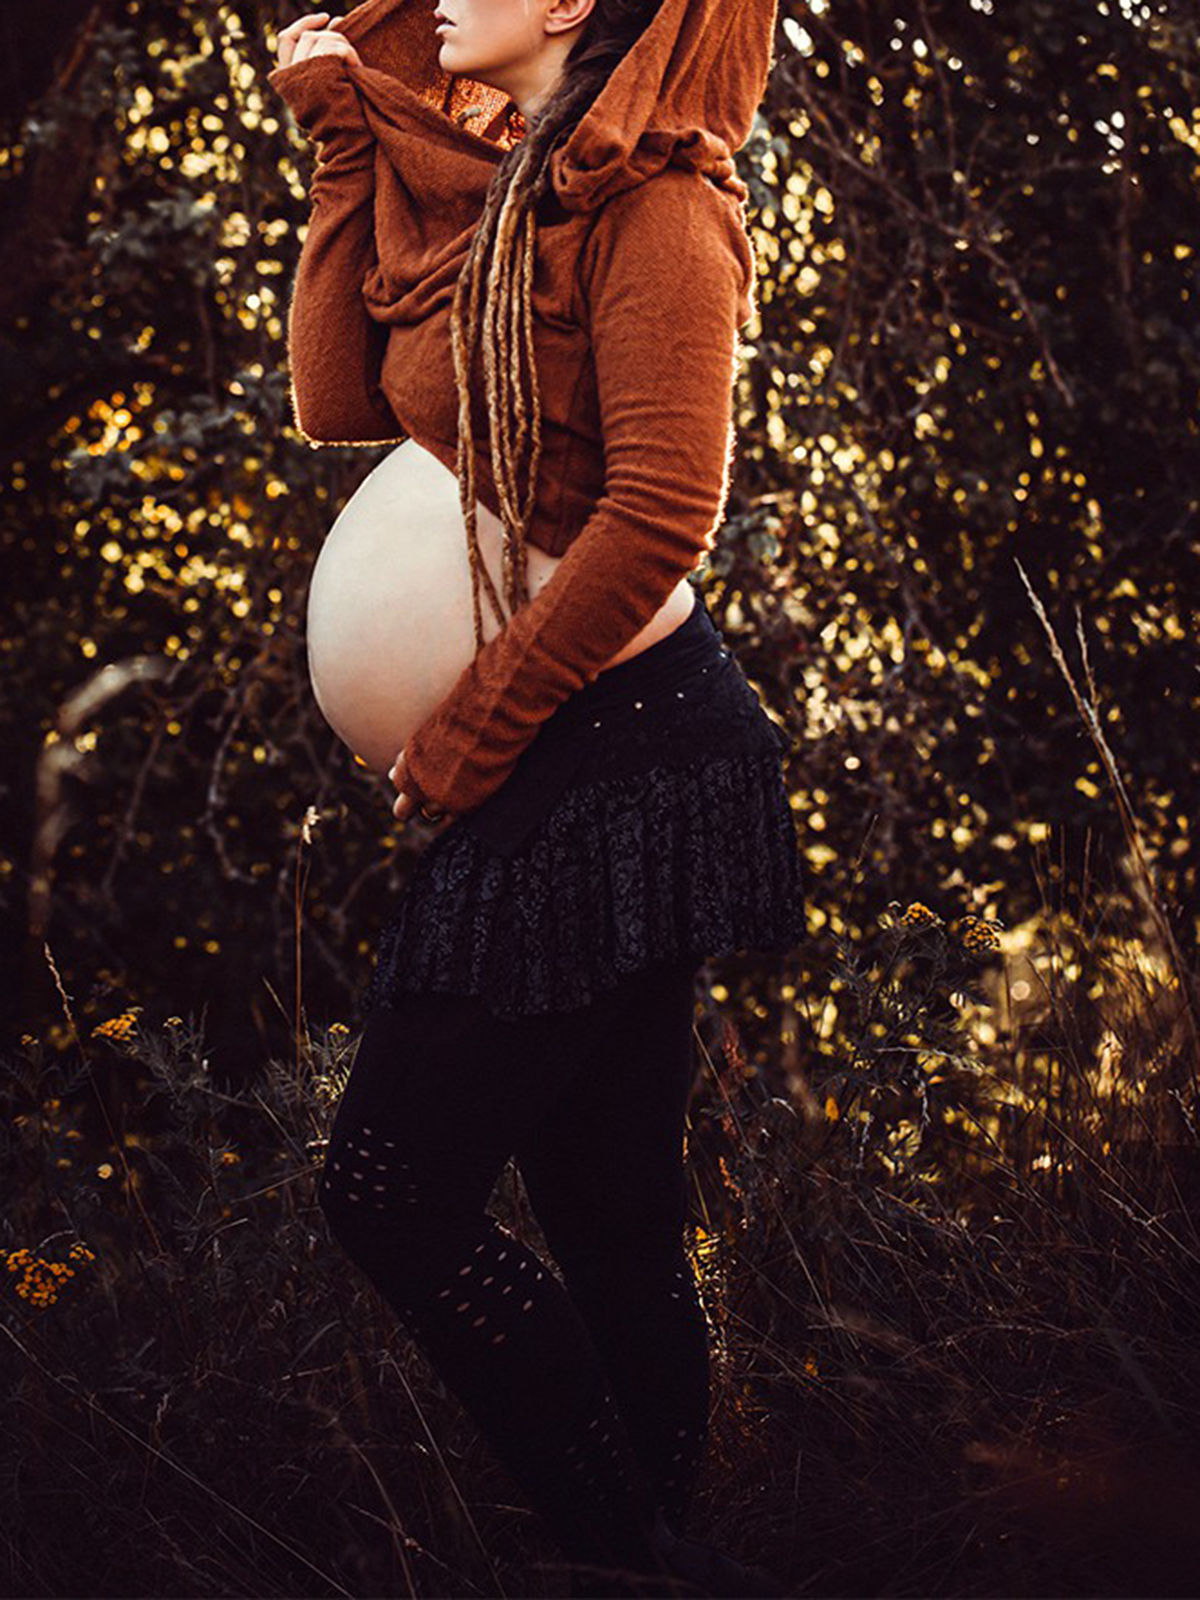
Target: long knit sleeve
x: 664, y: 277
x: 335, y: 348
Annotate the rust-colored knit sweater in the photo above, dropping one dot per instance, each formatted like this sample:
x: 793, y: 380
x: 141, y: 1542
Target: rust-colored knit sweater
x: 644, y: 276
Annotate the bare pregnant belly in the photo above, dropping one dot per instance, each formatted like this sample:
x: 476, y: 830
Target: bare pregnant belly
x: 390, y: 620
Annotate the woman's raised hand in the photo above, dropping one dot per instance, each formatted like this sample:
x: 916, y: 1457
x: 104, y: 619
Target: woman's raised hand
x: 309, y: 36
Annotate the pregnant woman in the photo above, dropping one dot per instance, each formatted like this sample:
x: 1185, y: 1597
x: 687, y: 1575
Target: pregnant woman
x: 526, y: 268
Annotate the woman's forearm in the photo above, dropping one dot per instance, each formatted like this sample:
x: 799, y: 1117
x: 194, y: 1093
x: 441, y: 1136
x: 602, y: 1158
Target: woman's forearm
x: 335, y: 348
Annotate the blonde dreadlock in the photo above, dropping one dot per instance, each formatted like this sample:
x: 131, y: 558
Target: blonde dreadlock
x: 502, y: 329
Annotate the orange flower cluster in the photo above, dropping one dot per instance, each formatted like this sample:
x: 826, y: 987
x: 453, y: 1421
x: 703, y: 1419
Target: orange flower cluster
x: 917, y: 915
x: 978, y: 933
x: 41, y: 1281
x: 119, y: 1028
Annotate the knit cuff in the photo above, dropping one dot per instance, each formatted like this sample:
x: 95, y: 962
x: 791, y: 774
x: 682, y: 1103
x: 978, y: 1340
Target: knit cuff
x: 432, y: 786
x: 321, y: 95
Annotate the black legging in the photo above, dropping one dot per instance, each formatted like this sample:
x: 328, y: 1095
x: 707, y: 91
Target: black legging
x: 595, y: 1395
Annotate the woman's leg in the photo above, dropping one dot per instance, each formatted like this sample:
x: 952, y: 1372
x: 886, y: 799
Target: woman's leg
x: 439, y: 1094
x: 605, y: 1174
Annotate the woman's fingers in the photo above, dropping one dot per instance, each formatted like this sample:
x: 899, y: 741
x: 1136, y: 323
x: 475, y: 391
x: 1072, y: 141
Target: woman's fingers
x: 308, y: 36
x: 407, y: 805
x: 290, y: 36
x: 410, y: 799
x: 328, y: 42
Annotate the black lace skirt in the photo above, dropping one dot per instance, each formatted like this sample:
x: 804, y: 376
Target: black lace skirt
x: 648, y: 819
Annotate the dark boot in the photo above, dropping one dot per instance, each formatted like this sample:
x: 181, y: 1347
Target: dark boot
x: 686, y: 1569
x: 712, y: 1572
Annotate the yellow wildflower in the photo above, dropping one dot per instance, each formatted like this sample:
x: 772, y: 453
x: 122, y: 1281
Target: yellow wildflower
x: 40, y: 1282
x: 979, y: 933
x: 117, y: 1027
x: 917, y: 915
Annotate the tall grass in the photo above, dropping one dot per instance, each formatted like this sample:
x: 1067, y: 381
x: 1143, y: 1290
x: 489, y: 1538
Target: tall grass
x: 945, y: 1233
x: 952, y: 1288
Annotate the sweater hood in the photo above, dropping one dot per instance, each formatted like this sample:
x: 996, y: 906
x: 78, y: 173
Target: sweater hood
x: 684, y: 95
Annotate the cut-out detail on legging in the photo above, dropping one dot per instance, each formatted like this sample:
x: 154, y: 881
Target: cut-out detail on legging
x: 683, y: 1474
x: 357, y: 1144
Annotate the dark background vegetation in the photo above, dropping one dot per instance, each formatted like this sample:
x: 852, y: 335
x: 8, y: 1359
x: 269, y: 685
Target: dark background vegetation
x: 980, y: 248
x: 946, y: 1195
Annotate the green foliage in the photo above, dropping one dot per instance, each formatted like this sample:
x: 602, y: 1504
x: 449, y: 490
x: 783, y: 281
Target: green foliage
x: 980, y: 254
x: 978, y: 248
